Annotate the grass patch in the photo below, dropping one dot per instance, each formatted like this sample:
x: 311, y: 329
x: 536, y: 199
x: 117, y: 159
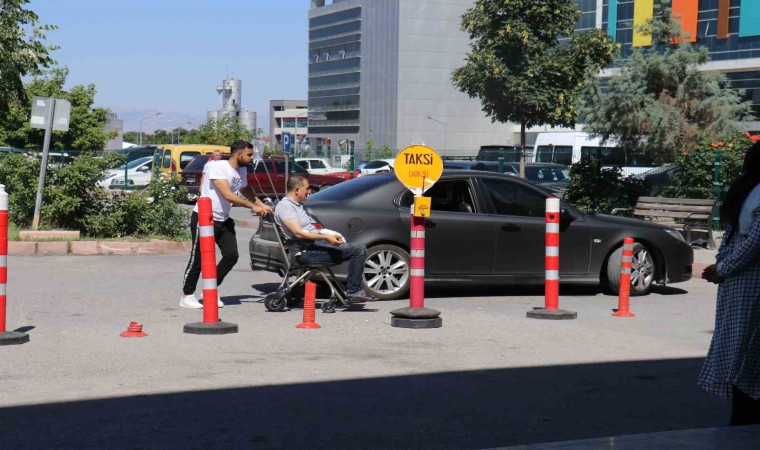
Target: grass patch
x: 13, y: 231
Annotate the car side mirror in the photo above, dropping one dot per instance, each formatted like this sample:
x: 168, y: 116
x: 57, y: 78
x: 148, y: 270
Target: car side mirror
x: 565, y: 216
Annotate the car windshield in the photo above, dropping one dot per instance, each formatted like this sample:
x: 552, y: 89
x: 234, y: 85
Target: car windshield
x: 197, y: 163
x: 546, y: 174
x: 135, y: 163
x: 375, y: 164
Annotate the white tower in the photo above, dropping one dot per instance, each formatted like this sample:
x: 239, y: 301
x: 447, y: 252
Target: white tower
x: 230, y: 92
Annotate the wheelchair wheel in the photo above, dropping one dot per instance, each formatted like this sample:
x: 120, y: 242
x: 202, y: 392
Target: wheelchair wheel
x: 328, y: 307
x: 295, y: 297
x: 275, y: 302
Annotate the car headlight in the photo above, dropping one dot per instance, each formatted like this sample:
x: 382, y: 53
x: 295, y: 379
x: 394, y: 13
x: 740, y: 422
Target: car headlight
x: 675, y: 234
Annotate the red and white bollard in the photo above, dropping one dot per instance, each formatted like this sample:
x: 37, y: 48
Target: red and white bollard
x: 551, y: 264
x: 416, y: 315
x: 624, y: 294
x: 6, y: 337
x: 211, y: 323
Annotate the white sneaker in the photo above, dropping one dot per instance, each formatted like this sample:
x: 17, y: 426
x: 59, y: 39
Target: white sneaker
x: 189, y: 301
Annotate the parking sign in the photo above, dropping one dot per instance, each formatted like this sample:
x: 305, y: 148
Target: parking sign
x: 286, y: 142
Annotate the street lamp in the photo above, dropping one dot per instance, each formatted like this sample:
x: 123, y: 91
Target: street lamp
x: 141, y: 121
x: 296, y: 133
x: 445, y: 133
x: 180, y: 128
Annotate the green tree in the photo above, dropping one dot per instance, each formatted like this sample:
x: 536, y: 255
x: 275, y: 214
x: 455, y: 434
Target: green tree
x: 85, y: 124
x: 659, y: 102
x: 222, y: 131
x: 517, y: 67
x: 22, y: 52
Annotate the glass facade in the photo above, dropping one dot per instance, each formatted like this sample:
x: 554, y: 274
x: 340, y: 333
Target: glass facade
x: 729, y: 29
x: 334, y: 73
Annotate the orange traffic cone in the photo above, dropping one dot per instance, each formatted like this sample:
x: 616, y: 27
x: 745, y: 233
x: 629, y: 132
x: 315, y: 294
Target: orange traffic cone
x: 134, y: 330
x: 309, y: 300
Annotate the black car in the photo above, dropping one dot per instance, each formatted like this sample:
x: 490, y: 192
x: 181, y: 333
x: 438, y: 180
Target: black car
x: 484, y: 229
x: 488, y: 166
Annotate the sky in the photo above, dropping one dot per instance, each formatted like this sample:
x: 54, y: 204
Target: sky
x: 168, y: 56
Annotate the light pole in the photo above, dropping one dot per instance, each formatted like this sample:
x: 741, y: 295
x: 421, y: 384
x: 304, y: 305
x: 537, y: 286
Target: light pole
x: 296, y: 124
x: 141, y: 121
x: 180, y: 129
x: 445, y: 133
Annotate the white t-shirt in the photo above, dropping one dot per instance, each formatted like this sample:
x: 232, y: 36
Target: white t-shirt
x: 221, y: 170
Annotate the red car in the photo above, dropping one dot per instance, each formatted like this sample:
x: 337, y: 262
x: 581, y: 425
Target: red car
x: 267, y: 177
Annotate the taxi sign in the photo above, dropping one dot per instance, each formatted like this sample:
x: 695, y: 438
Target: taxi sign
x: 418, y: 167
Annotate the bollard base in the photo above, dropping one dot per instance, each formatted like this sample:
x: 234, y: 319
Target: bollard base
x: 13, y: 338
x: 308, y: 325
x: 211, y: 328
x: 623, y: 314
x: 403, y: 322
x: 551, y: 314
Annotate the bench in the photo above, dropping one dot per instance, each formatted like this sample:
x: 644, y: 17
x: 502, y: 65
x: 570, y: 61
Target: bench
x: 685, y: 214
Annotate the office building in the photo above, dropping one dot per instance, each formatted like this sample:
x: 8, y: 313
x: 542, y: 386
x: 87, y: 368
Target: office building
x: 289, y: 116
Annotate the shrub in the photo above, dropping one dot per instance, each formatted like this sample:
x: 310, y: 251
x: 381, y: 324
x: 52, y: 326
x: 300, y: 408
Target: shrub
x: 601, y: 189
x: 72, y: 199
x: 696, y: 180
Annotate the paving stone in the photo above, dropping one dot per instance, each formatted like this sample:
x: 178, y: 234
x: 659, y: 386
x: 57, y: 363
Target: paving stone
x: 53, y: 248
x: 29, y: 235
x: 18, y: 248
x: 84, y: 248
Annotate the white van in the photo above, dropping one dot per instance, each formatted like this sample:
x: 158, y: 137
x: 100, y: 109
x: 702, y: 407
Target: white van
x: 568, y: 148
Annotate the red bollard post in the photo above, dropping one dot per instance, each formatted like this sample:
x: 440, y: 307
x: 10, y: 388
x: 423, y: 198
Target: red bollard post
x: 6, y: 337
x: 551, y: 264
x: 309, y: 304
x: 211, y: 323
x: 624, y: 294
x: 416, y: 315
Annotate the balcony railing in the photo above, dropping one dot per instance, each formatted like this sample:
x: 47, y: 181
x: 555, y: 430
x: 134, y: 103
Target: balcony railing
x: 333, y: 123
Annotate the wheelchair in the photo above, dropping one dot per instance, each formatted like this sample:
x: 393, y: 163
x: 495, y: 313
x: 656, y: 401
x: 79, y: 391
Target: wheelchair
x: 291, y: 290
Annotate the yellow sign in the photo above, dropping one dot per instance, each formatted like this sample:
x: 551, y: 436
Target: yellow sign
x: 418, y: 167
x: 422, y: 206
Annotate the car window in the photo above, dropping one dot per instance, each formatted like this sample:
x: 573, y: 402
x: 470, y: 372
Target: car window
x: 449, y: 196
x: 510, y: 198
x: 263, y: 167
x: 186, y: 157
x: 294, y: 168
x: 375, y: 164
x: 157, y: 159
x: 167, y: 159
x: 317, y: 164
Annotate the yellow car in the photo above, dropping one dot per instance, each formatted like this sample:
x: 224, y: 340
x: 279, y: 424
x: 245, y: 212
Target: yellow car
x: 171, y: 159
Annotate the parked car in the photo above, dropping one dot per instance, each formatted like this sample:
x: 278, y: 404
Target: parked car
x: 510, y: 153
x: 658, y: 179
x: 267, y: 177
x: 172, y: 159
x: 551, y: 176
x: 484, y: 229
x: 488, y: 166
x: 139, y: 173
x: 377, y: 166
x: 321, y: 166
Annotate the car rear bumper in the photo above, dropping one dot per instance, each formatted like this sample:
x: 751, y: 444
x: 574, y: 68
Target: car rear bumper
x: 680, y: 258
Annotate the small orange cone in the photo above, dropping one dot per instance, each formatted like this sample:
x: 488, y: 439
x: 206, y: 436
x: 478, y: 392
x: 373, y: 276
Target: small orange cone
x: 134, y: 330
x: 309, y: 300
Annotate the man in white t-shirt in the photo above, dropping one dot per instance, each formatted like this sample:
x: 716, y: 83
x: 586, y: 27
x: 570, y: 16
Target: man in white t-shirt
x: 222, y: 182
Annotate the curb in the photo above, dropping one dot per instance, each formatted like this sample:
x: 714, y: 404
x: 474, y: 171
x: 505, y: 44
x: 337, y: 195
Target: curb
x: 81, y: 248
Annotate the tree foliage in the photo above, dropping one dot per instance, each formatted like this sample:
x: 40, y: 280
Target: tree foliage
x: 659, y: 101
x: 222, y: 131
x: 86, y: 123
x: 593, y: 188
x: 517, y: 66
x: 22, y: 52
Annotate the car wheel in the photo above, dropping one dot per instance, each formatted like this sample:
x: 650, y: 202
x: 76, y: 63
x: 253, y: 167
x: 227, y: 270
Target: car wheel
x: 642, y: 270
x: 386, y: 272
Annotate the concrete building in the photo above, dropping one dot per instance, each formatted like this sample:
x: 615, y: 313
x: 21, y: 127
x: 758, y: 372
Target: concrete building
x: 380, y: 70
x: 231, y: 92
x: 117, y: 125
x: 290, y: 116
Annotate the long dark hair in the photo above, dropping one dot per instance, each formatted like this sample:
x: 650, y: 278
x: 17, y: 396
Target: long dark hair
x: 740, y: 189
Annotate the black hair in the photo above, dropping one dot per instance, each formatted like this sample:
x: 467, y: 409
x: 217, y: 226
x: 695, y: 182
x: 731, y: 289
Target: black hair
x: 740, y: 189
x: 295, y: 181
x: 240, y: 145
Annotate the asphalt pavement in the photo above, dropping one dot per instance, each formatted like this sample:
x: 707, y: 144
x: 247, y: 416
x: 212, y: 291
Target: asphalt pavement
x: 488, y: 378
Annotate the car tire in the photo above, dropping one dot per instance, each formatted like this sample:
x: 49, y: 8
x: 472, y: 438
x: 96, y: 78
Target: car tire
x: 643, y: 270
x: 386, y: 272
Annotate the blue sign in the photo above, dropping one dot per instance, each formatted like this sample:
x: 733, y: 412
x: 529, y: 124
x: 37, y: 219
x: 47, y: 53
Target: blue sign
x: 286, y: 142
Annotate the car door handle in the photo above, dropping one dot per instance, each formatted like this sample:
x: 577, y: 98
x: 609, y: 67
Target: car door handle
x: 510, y: 227
x: 430, y: 224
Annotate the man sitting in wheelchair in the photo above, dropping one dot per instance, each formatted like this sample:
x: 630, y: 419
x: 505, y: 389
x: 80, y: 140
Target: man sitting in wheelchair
x: 327, y: 247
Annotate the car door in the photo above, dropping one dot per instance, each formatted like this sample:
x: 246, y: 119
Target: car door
x: 518, y: 211
x: 457, y: 242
